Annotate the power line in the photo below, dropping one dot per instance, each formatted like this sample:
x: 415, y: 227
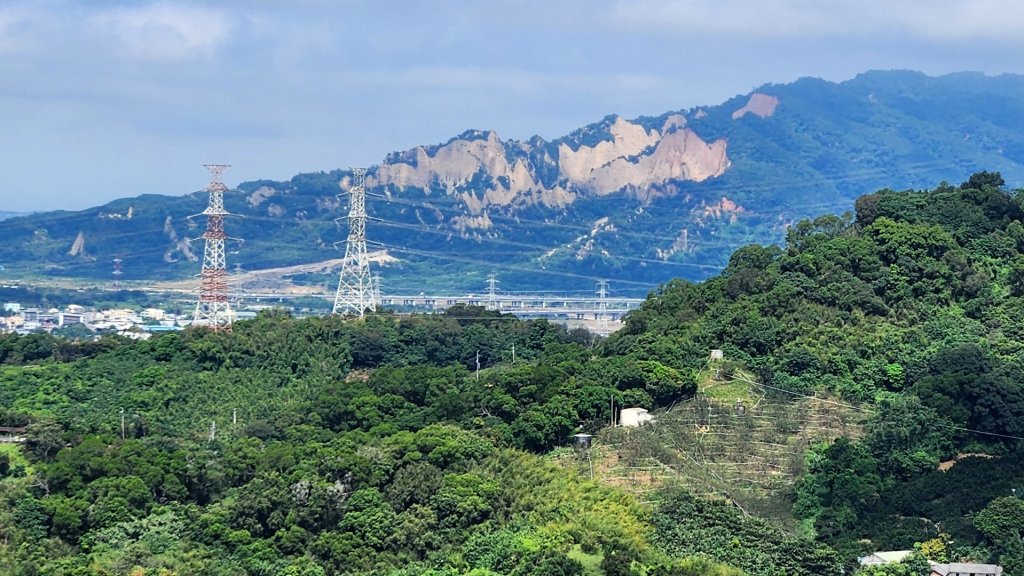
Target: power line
x: 539, y: 247
x: 467, y: 260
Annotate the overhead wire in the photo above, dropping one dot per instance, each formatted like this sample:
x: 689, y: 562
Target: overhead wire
x: 452, y: 204
x: 456, y: 205
x: 502, y: 265
x: 502, y: 241
x: 61, y: 217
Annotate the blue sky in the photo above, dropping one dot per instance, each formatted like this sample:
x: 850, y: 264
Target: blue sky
x: 103, y: 99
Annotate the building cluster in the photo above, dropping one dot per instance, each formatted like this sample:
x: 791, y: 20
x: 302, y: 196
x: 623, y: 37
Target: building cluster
x: 26, y: 320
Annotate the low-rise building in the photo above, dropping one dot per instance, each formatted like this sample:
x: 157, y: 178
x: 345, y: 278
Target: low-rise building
x: 67, y: 318
x: 966, y: 569
x: 634, y: 417
x: 887, y: 557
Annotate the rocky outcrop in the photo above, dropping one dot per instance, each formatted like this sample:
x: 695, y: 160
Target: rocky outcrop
x: 639, y: 159
x: 481, y: 170
x: 78, y: 246
x: 760, y: 105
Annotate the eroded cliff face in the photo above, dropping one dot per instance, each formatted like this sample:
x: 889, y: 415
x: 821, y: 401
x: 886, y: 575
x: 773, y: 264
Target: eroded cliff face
x: 481, y: 170
x: 760, y: 105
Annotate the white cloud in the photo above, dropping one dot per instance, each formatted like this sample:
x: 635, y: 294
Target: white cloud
x: 965, y: 20
x: 766, y: 18
x: 166, y: 32
x: 512, y: 80
x: 940, y: 20
x: 14, y: 24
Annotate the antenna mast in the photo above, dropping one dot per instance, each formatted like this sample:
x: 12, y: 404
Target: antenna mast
x: 213, y: 309
x: 355, y: 293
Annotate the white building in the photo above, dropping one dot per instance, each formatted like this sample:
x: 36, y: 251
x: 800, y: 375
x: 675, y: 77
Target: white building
x: 634, y: 417
x: 887, y: 557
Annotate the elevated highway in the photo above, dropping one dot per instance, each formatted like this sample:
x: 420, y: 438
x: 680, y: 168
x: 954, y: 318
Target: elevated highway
x: 523, y: 305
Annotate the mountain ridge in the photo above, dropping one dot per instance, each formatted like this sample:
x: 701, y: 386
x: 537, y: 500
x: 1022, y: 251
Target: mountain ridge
x: 635, y: 201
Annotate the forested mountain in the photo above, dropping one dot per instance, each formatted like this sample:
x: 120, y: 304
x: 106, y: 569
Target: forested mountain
x: 322, y: 446
x: 908, y: 311
x: 637, y: 201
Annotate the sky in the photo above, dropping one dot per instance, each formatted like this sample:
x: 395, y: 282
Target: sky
x: 102, y: 99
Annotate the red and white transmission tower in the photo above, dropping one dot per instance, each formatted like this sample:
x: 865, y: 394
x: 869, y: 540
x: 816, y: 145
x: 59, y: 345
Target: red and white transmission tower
x: 213, y: 309
x: 117, y: 272
x: 355, y: 293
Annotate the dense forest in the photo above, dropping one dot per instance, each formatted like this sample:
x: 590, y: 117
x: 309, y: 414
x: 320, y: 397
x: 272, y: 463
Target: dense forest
x: 438, y: 444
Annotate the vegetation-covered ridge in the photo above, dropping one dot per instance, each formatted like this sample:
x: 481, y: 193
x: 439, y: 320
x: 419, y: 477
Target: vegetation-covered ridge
x: 910, y: 309
x: 324, y: 447
x: 381, y: 446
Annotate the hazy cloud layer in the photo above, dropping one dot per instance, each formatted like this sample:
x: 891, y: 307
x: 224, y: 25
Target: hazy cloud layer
x: 103, y: 99
x: 164, y: 31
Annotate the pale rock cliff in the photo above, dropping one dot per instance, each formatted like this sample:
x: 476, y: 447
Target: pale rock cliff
x: 481, y: 171
x: 760, y: 105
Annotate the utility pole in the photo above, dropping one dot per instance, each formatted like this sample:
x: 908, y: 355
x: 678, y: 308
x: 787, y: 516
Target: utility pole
x: 513, y: 352
x: 122, y: 423
x: 492, y: 293
x: 213, y: 430
x: 355, y: 291
x: 477, y: 365
x: 213, y: 309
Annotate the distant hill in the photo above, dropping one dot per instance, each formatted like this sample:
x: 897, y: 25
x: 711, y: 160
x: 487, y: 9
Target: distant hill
x: 635, y: 201
x: 6, y: 215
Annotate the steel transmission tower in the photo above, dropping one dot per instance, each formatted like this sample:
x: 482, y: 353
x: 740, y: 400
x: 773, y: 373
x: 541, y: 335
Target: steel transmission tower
x: 117, y: 272
x: 355, y: 293
x: 492, y: 293
x: 377, y: 290
x: 602, y: 307
x: 213, y: 309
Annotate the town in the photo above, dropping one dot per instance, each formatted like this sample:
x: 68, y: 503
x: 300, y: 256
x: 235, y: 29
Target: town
x: 74, y: 320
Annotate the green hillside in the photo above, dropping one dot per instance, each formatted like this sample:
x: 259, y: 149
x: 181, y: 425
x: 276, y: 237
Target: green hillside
x: 907, y: 312
x: 324, y: 447
x: 877, y: 357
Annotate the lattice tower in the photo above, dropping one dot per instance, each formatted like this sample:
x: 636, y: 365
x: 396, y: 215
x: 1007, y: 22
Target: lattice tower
x: 355, y: 293
x: 377, y: 289
x: 213, y: 308
x: 602, y: 307
x: 117, y: 272
x: 492, y: 292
